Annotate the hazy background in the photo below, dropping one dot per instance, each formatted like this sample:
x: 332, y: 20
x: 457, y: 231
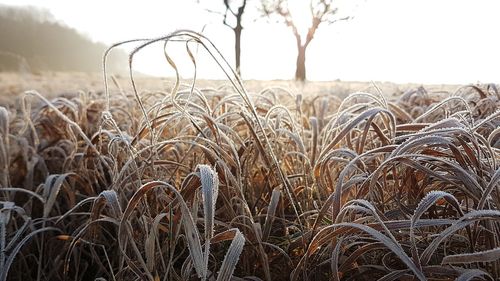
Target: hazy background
x: 32, y: 40
x: 422, y: 41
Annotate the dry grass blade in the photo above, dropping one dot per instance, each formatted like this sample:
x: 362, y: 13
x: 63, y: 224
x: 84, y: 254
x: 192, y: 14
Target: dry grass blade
x: 192, y: 234
x: 484, y: 256
x: 111, y: 198
x: 210, y: 191
x: 5, y: 270
x: 494, y: 183
x: 232, y: 257
x: 423, y: 206
x: 271, y: 210
x: 65, y: 118
x: 29, y: 192
x: 391, y: 245
x: 4, y: 146
x: 472, y: 274
x: 51, y: 189
x: 463, y: 222
x: 4, y: 219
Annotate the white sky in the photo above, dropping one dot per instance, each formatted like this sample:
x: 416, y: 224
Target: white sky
x: 423, y: 41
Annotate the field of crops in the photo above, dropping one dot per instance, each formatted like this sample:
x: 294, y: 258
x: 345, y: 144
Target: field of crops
x: 221, y: 183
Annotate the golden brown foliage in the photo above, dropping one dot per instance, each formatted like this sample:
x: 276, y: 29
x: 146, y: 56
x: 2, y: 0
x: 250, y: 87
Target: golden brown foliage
x: 213, y: 183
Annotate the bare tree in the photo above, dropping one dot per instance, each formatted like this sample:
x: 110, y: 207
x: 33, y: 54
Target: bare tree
x: 322, y: 11
x: 232, y: 17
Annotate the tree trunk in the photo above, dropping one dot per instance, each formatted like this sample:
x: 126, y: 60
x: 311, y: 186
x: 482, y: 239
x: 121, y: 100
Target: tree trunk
x: 237, y: 48
x: 300, y: 72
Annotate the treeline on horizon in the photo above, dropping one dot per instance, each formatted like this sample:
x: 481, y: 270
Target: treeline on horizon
x: 32, y: 40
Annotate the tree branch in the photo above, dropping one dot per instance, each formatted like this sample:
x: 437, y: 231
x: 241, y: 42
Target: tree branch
x: 228, y: 7
x: 337, y: 20
x: 224, y: 21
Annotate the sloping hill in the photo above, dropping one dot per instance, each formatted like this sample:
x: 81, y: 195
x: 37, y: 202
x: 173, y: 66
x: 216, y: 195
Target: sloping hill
x: 31, y: 39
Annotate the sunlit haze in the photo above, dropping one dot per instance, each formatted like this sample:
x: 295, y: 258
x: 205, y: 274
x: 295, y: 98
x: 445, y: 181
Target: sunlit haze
x: 422, y: 41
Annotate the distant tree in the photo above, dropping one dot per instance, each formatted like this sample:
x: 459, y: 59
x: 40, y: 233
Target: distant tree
x: 232, y: 17
x: 321, y: 11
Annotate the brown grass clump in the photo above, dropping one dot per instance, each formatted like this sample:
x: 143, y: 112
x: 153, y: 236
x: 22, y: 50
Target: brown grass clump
x: 217, y: 183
